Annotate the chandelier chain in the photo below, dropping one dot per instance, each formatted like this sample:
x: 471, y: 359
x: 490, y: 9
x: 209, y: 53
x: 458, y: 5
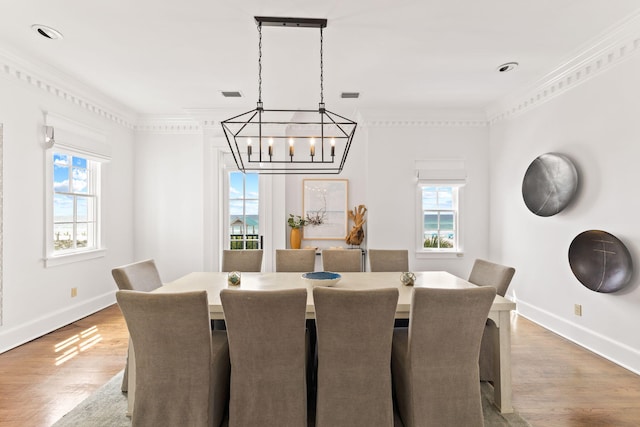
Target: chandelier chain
x: 260, y: 62
x: 321, y: 69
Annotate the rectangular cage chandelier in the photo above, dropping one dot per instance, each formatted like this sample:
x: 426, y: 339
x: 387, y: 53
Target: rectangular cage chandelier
x: 278, y: 141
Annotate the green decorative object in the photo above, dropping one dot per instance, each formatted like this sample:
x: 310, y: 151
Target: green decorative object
x: 407, y: 278
x: 233, y: 279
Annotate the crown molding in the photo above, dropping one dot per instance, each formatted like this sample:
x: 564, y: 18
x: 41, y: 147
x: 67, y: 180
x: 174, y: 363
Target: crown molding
x: 185, y: 125
x: 56, y: 83
x: 193, y: 121
x: 427, y: 123
x: 423, y: 118
x: 611, y: 48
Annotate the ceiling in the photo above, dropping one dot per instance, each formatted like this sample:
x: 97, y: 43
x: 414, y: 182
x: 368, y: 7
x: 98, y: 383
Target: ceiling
x: 166, y: 57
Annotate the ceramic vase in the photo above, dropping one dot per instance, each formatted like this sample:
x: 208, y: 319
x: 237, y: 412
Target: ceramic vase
x: 296, y: 238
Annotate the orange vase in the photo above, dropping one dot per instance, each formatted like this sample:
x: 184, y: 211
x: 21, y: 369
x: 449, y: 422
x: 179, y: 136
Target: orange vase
x: 295, y: 239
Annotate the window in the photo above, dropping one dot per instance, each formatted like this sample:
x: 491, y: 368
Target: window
x: 439, y: 206
x: 75, y: 159
x: 439, y: 217
x: 244, y: 203
x: 75, y: 203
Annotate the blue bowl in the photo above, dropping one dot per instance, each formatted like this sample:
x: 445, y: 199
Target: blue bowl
x: 322, y: 278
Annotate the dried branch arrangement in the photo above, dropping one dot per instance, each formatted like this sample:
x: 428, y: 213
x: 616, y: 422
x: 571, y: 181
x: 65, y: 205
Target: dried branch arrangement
x: 356, y: 235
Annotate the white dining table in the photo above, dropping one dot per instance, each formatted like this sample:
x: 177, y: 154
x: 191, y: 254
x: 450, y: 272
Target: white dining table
x: 213, y: 283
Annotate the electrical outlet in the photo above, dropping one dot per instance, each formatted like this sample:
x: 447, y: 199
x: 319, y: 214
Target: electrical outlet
x: 577, y: 309
x: 74, y: 292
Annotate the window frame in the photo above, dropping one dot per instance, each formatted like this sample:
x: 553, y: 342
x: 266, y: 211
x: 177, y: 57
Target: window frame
x: 458, y: 207
x: 75, y: 139
x: 244, y: 199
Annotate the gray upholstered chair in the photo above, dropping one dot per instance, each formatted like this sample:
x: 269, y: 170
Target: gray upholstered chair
x: 341, y: 260
x: 182, y: 367
x: 389, y: 260
x: 139, y: 276
x: 434, y: 361
x: 355, y: 331
x: 485, y: 273
x: 295, y: 260
x: 268, y: 365
x: 243, y: 260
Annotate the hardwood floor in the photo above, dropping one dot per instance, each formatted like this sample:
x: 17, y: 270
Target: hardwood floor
x: 38, y: 384
x: 558, y: 383
x: 555, y: 382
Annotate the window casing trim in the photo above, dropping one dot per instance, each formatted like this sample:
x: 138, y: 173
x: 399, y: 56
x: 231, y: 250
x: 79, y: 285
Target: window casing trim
x: 74, y: 139
x: 458, y: 250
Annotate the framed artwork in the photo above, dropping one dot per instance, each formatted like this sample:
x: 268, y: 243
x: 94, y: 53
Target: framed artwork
x: 324, y: 206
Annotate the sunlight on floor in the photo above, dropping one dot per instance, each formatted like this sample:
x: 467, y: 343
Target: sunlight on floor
x: 76, y: 344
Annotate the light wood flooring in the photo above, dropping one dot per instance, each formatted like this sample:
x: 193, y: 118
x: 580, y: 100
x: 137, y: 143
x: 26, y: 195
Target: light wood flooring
x: 555, y: 382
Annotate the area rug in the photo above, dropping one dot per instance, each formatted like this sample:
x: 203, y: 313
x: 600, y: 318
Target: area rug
x: 107, y: 408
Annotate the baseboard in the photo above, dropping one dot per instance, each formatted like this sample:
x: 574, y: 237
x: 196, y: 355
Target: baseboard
x: 41, y: 326
x: 617, y: 352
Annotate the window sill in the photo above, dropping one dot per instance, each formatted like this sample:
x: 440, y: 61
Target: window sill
x: 69, y: 258
x: 438, y: 254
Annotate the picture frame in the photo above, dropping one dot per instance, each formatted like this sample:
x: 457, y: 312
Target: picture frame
x: 324, y: 205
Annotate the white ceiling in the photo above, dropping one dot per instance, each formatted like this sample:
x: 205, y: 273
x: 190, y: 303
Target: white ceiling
x: 168, y: 56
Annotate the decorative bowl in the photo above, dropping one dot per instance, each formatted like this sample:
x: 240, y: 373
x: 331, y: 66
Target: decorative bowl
x: 322, y: 278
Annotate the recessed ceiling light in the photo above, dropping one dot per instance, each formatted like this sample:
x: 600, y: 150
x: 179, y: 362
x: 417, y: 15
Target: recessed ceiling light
x: 508, y: 66
x: 47, y: 32
x: 231, y: 94
x: 350, y: 95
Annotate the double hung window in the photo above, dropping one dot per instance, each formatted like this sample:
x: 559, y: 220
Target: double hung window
x: 75, y: 202
x: 439, y: 202
x: 75, y: 158
x: 439, y: 217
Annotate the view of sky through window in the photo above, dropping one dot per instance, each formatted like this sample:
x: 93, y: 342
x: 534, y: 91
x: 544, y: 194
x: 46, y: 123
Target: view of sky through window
x: 244, y: 221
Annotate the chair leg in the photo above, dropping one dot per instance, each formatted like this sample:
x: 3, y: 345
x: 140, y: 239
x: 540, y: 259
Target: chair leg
x: 125, y: 379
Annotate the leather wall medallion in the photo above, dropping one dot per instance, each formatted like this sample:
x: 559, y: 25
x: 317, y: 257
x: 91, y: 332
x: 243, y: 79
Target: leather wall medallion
x: 549, y: 184
x: 600, y: 261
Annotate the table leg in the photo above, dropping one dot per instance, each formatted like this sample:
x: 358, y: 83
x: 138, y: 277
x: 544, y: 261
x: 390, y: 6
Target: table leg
x: 502, y: 363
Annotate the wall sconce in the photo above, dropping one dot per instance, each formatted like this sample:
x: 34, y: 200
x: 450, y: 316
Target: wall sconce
x: 49, y: 140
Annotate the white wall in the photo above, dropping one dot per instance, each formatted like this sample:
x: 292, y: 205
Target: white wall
x: 36, y: 299
x: 391, y: 187
x: 596, y: 125
x: 169, y: 202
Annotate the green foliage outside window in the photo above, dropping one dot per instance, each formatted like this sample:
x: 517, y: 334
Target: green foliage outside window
x: 435, y: 241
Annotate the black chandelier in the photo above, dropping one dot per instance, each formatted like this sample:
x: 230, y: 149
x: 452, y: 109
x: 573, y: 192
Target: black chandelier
x: 289, y: 141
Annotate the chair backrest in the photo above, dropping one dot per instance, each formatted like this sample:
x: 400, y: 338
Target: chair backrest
x: 355, y: 331
x: 341, y: 260
x: 485, y: 273
x: 445, y: 329
x: 295, y: 260
x: 267, y: 347
x: 389, y: 260
x: 243, y: 260
x: 171, y: 333
x: 139, y: 276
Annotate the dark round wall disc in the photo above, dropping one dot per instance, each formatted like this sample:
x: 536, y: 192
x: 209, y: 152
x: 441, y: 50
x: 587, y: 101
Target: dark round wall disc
x: 600, y: 261
x: 549, y: 184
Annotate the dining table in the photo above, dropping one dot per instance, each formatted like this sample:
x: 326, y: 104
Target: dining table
x: 214, y: 282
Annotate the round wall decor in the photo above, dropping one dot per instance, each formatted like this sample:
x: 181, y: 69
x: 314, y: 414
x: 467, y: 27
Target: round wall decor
x: 600, y: 261
x: 549, y: 184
